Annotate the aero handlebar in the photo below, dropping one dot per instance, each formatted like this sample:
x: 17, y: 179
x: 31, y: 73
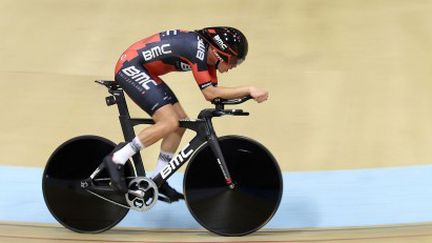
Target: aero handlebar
x: 219, y: 101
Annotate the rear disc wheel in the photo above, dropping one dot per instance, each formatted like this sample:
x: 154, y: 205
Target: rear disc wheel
x: 72, y: 206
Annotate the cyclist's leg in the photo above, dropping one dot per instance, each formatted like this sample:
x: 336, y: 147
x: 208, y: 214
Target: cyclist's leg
x: 165, y: 112
x: 172, y: 137
x: 148, y: 93
x: 170, y: 142
x: 169, y: 145
x: 166, y: 126
x: 156, y: 98
x: 166, y: 122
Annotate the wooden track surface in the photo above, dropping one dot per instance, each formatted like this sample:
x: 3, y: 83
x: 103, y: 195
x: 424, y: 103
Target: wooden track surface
x: 349, y: 81
x: 32, y: 233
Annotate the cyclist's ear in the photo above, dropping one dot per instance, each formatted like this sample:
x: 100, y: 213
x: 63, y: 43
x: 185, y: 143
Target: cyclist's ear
x: 211, y: 56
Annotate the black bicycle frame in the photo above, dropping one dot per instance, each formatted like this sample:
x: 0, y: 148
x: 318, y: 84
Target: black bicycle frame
x: 202, y: 126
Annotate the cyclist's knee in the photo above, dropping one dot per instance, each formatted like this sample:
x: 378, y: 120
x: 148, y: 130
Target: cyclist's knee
x: 170, y: 124
x: 181, y: 130
x: 174, y: 123
x: 167, y: 118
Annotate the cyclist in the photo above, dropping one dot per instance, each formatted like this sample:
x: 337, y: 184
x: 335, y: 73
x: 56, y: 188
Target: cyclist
x: 138, y: 72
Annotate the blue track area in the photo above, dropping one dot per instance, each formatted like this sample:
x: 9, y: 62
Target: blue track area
x: 311, y: 199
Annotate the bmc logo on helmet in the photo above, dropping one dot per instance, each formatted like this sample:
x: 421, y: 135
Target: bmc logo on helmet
x: 220, y: 42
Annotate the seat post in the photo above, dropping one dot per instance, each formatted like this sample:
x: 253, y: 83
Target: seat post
x: 127, y: 128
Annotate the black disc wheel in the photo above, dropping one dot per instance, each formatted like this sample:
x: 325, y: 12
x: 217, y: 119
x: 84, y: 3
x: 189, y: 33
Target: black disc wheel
x: 73, y: 206
x: 255, y: 197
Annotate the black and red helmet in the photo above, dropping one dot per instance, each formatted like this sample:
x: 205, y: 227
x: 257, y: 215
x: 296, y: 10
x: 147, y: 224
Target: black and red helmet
x: 230, y: 43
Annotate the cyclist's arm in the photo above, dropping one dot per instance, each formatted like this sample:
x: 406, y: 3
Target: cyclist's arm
x: 207, y: 81
x: 212, y: 92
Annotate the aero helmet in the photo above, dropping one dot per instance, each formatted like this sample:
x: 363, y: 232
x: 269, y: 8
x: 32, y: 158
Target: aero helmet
x: 230, y: 44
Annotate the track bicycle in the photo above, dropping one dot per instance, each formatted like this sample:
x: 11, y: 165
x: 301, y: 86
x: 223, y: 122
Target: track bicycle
x: 232, y: 184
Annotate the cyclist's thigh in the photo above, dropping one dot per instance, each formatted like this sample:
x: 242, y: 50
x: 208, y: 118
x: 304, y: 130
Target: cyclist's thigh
x: 180, y: 111
x: 168, y: 93
x: 174, y: 101
x: 147, y: 91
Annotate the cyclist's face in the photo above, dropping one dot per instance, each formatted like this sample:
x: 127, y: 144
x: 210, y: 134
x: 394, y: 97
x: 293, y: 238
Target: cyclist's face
x: 224, y: 67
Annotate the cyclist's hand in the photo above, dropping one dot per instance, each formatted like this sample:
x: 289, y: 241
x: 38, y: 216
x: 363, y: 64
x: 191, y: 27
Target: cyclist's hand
x: 259, y: 95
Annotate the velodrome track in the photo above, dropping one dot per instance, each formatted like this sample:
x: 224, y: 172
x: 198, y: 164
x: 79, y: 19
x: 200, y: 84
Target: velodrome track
x: 32, y: 233
x: 349, y: 85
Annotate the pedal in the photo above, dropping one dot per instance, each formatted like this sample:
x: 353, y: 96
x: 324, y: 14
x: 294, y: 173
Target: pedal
x: 164, y: 199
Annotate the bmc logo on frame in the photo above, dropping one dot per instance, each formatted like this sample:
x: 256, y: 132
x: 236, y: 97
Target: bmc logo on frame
x: 176, y: 162
x: 156, y: 51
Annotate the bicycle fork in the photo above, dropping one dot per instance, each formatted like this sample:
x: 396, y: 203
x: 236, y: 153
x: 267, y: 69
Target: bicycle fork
x: 217, y: 151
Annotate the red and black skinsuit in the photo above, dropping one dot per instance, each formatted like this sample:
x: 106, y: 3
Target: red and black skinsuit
x: 139, y: 68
